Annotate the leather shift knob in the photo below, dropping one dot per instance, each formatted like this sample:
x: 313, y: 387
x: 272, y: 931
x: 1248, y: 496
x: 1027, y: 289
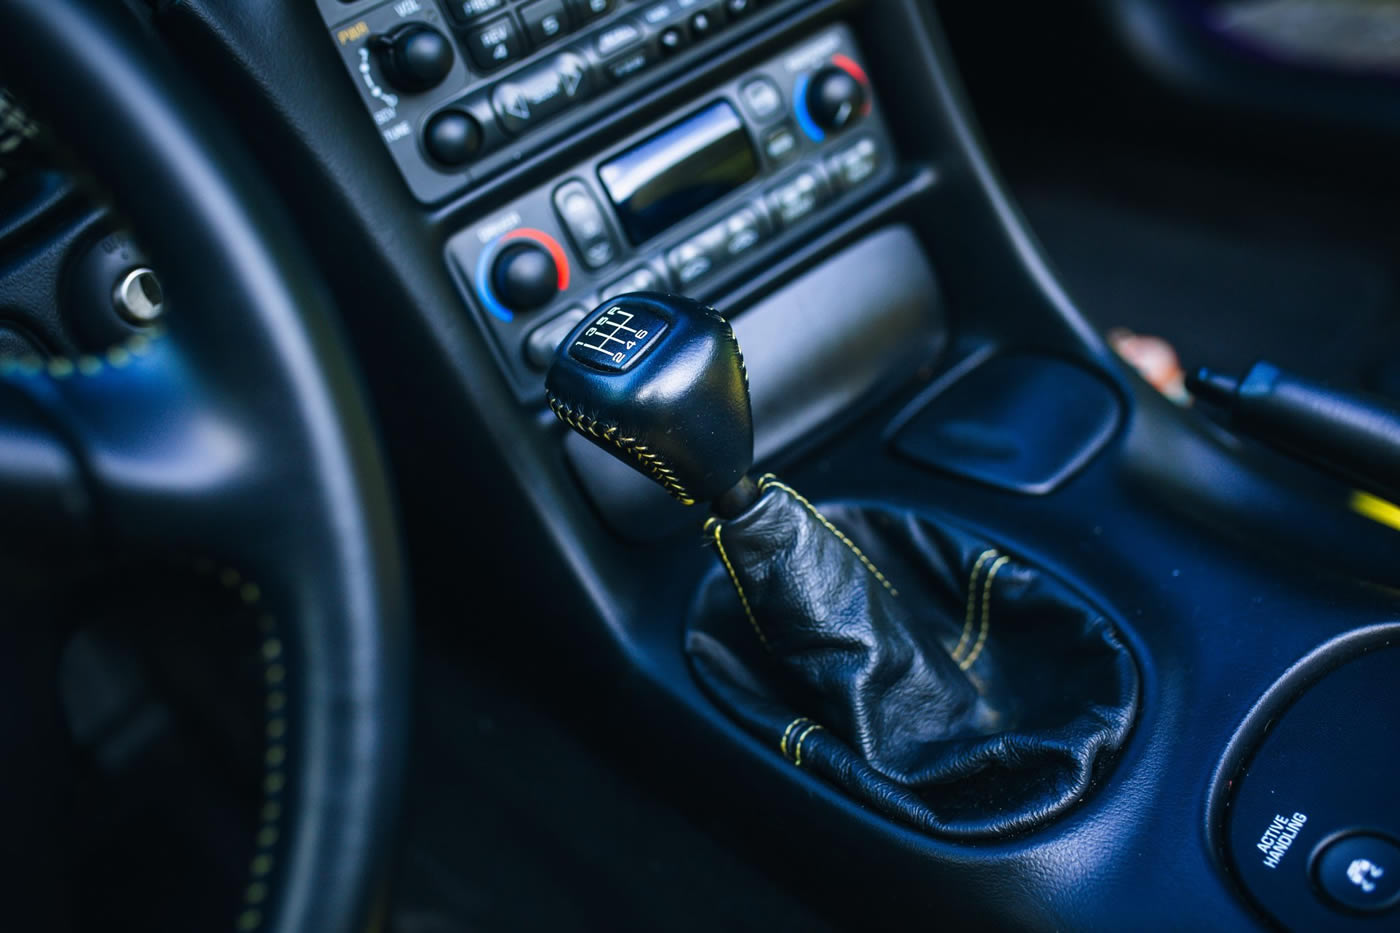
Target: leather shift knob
x: 658, y: 382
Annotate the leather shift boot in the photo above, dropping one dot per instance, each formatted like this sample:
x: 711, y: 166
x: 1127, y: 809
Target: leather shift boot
x: 936, y: 677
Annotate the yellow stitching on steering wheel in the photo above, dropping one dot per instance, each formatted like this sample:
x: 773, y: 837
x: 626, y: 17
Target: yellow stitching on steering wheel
x: 274, y: 783
x: 59, y: 368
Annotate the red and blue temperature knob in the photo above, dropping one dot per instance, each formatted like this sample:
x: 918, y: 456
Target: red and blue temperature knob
x: 523, y: 270
x: 831, y: 98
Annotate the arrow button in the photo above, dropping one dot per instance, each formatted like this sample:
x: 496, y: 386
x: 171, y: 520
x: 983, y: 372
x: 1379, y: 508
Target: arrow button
x: 540, y: 92
x: 571, y: 73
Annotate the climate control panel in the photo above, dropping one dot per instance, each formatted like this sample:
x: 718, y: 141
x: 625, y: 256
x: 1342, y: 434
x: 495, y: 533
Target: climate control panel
x: 707, y: 191
x: 522, y: 271
x: 459, y: 89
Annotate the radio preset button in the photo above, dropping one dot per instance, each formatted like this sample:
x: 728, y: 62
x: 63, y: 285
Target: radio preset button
x: 780, y: 144
x: 583, y: 219
x: 658, y: 13
x: 495, y: 44
x: 796, y: 198
x: 738, y: 8
x: 762, y: 99
x: 671, y: 39
x: 641, y: 279
x: 590, y: 9
x: 544, y: 20
x: 742, y: 232
x: 540, y: 92
x: 853, y: 164
x: 617, y: 37
x: 466, y: 11
x: 711, y: 240
x: 715, y: 246
x: 690, y: 262
x: 620, y: 69
x: 703, y: 23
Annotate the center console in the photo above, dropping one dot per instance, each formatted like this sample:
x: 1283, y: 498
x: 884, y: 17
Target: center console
x: 811, y: 169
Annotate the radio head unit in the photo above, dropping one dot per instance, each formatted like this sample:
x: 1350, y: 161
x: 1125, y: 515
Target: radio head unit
x: 460, y: 90
x: 715, y: 187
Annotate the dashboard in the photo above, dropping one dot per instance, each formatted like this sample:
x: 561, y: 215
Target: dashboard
x: 724, y: 183
x: 476, y: 177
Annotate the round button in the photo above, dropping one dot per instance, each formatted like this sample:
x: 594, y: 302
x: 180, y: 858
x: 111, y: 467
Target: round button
x: 671, y: 40
x: 1360, y: 872
x: 702, y: 24
x: 524, y: 276
x: 834, y: 98
x: 415, y: 57
x: 452, y: 137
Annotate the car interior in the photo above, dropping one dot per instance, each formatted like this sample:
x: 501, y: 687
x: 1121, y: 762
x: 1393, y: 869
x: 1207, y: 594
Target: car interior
x: 700, y: 464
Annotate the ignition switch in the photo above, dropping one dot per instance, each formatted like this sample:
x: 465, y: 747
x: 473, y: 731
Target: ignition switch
x: 111, y: 293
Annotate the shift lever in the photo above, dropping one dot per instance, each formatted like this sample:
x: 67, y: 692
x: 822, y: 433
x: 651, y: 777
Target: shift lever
x: 978, y: 697
x: 658, y: 382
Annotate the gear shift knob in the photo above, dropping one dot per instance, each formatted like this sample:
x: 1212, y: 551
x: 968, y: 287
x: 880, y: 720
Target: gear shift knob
x: 658, y: 382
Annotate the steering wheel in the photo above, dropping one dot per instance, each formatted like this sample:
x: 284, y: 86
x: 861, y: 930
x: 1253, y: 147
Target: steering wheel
x: 240, y: 436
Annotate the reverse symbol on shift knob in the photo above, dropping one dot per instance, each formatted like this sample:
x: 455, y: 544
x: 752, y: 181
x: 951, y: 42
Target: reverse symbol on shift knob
x: 617, y: 338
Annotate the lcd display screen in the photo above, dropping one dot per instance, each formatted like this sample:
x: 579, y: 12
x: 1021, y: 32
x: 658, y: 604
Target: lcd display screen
x: 678, y: 171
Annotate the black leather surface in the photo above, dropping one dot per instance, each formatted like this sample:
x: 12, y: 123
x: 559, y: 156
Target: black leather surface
x: 938, y: 678
x: 42, y: 500
x: 1022, y: 422
x: 862, y: 341
x: 678, y: 412
x: 242, y: 438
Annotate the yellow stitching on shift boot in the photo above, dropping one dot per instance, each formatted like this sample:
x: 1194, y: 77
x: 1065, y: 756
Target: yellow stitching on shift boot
x: 734, y: 577
x: 971, y: 602
x: 986, y: 614
x: 797, y: 758
x: 769, y: 480
x: 782, y: 745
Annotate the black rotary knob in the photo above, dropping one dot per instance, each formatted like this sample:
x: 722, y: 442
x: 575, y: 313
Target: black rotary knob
x: 834, y: 98
x: 415, y: 57
x: 452, y: 137
x: 525, y: 277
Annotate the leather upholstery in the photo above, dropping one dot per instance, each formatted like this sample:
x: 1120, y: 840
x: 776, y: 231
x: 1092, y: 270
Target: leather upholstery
x: 943, y: 680
x: 678, y: 412
x: 240, y: 436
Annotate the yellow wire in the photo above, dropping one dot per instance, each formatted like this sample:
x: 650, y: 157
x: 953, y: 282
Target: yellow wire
x: 1376, y: 509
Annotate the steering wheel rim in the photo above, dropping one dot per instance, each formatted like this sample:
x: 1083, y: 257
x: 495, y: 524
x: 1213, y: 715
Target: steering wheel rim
x: 241, y: 436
